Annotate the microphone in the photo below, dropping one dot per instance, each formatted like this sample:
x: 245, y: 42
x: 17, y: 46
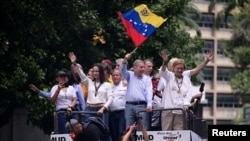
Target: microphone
x: 202, y: 87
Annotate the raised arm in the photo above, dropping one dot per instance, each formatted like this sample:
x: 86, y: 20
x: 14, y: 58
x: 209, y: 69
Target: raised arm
x: 123, y: 68
x: 126, y: 58
x: 78, y: 68
x: 72, y: 57
x: 82, y: 75
x: 45, y: 94
x: 40, y: 92
x: 197, y: 69
x: 128, y: 134
x: 164, y: 70
x: 164, y: 57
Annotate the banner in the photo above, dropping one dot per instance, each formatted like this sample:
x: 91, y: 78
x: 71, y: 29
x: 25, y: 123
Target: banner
x: 60, y: 137
x: 176, y: 135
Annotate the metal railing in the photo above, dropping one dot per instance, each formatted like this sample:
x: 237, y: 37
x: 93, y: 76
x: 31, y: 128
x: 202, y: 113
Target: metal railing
x: 169, y: 109
x: 190, y: 120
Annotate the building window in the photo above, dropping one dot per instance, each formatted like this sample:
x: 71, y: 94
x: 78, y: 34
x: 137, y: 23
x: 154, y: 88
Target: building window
x: 246, y: 114
x: 208, y: 45
x: 207, y: 20
x: 223, y: 74
x: 225, y: 24
x: 220, y: 48
x: 224, y: 122
x: 209, y: 97
x: 208, y: 73
x: 223, y: 101
x: 227, y: 101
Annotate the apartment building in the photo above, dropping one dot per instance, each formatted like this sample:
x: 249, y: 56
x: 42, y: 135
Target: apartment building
x: 222, y: 106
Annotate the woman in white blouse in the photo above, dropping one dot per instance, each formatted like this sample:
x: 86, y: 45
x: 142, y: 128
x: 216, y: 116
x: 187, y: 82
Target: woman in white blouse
x: 64, y: 97
x: 99, y: 91
x: 177, y: 94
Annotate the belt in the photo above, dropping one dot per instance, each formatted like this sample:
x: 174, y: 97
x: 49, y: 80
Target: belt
x: 116, y: 111
x: 136, y: 102
x: 60, y: 110
x: 95, y: 105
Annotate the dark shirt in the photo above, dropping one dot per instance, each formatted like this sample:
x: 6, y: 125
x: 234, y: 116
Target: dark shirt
x: 91, y: 133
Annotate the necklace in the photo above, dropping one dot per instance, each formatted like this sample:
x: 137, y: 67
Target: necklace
x: 179, y: 84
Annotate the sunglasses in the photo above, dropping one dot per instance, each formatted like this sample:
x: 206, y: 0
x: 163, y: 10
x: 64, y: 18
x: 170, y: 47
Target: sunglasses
x: 62, y: 75
x: 155, y: 78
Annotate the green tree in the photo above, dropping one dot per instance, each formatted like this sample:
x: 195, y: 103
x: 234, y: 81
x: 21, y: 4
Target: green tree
x: 230, y: 5
x: 238, y: 49
x: 183, y: 16
x: 240, y: 118
x: 36, y: 37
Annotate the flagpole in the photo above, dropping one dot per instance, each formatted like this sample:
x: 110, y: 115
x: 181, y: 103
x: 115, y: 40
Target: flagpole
x: 133, y: 51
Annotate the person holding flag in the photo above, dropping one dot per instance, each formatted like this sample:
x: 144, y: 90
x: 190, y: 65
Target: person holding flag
x: 139, y: 92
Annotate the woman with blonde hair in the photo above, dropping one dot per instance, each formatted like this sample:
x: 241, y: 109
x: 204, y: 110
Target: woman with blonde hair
x: 177, y: 94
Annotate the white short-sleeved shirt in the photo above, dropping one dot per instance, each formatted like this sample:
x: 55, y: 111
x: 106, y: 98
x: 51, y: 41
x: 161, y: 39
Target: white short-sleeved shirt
x: 64, y: 99
x: 119, y: 97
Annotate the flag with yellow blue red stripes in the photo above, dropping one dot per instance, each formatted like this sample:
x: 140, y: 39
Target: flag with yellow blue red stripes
x: 140, y: 23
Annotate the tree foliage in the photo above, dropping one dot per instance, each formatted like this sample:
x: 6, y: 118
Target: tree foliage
x: 37, y: 35
x: 230, y: 5
x: 242, y: 115
x: 238, y: 49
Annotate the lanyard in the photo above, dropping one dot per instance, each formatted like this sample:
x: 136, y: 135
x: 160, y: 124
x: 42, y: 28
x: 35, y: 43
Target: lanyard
x: 96, y: 88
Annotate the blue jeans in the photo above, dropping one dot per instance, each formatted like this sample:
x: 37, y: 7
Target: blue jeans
x: 117, y: 124
x: 61, y: 121
x: 131, y: 115
x: 105, y: 115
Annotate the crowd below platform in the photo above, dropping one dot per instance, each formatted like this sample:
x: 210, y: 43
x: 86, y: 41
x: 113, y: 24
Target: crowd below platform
x: 125, y: 98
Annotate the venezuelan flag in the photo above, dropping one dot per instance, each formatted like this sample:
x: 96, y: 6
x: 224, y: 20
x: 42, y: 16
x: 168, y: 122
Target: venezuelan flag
x: 140, y: 23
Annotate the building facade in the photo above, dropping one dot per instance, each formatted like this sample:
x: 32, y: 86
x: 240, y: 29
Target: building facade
x: 222, y: 105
